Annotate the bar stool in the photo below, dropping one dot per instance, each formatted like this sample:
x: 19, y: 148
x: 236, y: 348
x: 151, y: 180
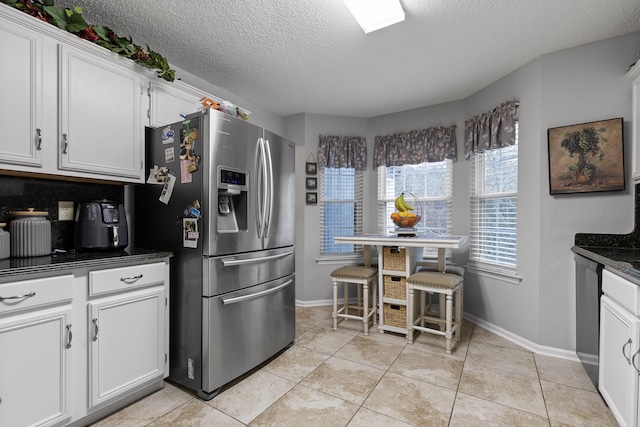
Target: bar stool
x: 433, y: 266
x: 364, y: 278
x: 446, y: 284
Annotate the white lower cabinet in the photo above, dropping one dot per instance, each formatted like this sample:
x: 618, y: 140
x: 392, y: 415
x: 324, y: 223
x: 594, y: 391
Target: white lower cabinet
x: 36, y: 340
x: 126, y: 343
x: 77, y: 346
x: 619, y: 362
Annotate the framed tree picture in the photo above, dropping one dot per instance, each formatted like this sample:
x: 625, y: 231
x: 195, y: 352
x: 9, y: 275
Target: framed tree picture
x: 586, y: 157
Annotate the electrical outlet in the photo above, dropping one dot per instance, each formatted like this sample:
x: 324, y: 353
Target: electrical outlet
x: 65, y: 211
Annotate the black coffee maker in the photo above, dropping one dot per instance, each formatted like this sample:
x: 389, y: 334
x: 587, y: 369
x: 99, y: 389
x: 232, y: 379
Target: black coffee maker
x: 101, y: 225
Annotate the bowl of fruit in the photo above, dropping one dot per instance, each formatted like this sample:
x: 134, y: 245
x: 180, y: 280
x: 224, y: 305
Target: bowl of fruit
x: 404, y: 217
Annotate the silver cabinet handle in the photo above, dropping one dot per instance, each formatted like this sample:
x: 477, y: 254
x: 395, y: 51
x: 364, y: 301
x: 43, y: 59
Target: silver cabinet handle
x: 69, y: 336
x: 95, y: 329
x: 628, y: 343
x: 633, y: 361
x: 131, y: 279
x: 65, y: 139
x: 38, y: 139
x: 29, y: 295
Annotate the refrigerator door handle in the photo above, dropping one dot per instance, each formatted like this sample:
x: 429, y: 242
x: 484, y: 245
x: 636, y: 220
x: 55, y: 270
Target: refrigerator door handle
x: 269, y: 165
x: 258, y: 192
x: 262, y: 195
x: 256, y: 295
x: 234, y: 262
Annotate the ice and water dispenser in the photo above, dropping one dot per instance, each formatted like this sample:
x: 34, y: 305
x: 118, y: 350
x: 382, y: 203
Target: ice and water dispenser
x: 232, y: 200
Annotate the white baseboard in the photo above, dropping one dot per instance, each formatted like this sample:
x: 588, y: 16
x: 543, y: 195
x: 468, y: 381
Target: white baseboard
x: 523, y: 342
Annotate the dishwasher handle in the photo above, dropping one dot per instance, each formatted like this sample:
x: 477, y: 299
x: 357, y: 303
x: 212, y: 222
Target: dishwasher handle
x: 228, y: 301
x: 233, y: 262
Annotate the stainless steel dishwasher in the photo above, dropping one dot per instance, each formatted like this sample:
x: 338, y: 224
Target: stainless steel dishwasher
x: 588, y: 291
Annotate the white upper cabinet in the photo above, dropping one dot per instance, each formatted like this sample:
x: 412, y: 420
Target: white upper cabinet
x: 168, y: 101
x: 68, y: 107
x: 21, y: 100
x: 101, y: 127
x: 634, y: 74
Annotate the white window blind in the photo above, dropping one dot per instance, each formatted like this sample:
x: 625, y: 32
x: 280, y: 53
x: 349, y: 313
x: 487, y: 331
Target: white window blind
x: 432, y: 185
x: 494, y: 203
x: 340, y: 199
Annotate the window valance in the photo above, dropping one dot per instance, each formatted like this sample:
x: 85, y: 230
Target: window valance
x: 495, y: 129
x: 418, y: 146
x: 342, y: 152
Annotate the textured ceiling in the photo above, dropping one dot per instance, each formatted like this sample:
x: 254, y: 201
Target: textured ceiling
x: 311, y: 56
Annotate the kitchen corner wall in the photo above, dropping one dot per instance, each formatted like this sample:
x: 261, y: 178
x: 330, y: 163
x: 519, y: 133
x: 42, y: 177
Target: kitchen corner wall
x: 21, y: 193
x: 577, y: 85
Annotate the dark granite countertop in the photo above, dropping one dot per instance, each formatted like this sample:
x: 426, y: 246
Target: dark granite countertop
x: 625, y: 261
x: 70, y: 260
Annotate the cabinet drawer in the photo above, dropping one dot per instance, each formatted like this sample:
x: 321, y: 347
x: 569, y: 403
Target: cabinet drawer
x: 622, y: 291
x: 124, y: 278
x: 15, y: 296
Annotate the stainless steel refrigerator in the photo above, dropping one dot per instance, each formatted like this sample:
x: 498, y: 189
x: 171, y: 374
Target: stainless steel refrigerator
x: 220, y: 196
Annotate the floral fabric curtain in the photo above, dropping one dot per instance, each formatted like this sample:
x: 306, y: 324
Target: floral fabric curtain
x: 415, y: 147
x: 342, y: 152
x: 495, y: 129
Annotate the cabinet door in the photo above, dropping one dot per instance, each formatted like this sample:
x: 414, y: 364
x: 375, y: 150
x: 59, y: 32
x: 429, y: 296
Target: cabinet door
x: 101, y: 128
x: 618, y: 380
x: 126, y: 343
x: 33, y: 368
x: 21, y: 95
x: 634, y: 73
x: 170, y: 101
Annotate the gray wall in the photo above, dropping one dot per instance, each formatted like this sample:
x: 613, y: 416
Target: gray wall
x: 313, y: 283
x: 576, y: 85
x: 580, y: 85
x: 259, y: 116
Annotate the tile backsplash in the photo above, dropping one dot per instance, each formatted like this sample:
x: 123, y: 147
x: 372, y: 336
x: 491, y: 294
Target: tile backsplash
x: 21, y: 193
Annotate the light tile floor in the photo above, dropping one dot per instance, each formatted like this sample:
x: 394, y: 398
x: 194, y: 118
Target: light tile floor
x: 342, y: 378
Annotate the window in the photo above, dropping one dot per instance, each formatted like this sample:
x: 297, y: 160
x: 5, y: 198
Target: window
x: 340, y: 193
x: 494, y: 202
x: 430, y: 183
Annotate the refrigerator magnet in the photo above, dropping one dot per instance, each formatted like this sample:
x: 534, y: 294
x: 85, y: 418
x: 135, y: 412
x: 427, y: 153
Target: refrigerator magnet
x: 169, y: 155
x: 167, y: 190
x: 158, y: 175
x: 185, y: 175
x: 167, y: 135
x: 190, y: 233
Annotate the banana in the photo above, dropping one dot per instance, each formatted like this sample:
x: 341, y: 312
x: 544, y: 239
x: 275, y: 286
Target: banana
x: 402, y: 205
x: 405, y: 205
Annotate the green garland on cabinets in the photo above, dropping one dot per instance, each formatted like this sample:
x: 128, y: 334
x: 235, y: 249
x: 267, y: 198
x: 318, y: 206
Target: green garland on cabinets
x: 71, y: 20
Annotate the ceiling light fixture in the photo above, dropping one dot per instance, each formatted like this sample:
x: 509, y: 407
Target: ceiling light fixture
x: 375, y: 14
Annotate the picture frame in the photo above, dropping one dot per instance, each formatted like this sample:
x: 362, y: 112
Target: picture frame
x: 311, y: 168
x: 586, y: 157
x: 312, y: 198
x: 312, y: 183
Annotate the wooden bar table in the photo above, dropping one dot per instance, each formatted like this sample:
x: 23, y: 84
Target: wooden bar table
x: 397, y: 258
